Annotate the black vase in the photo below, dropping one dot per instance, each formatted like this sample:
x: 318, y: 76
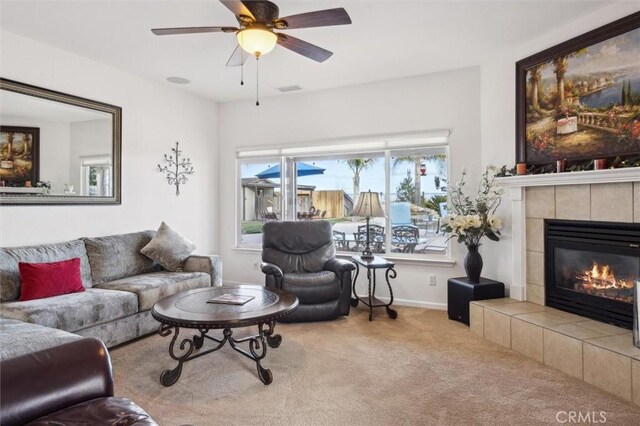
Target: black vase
x: 473, y: 263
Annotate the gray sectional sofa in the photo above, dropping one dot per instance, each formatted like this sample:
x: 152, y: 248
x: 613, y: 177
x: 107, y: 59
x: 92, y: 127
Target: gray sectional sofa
x: 121, y: 287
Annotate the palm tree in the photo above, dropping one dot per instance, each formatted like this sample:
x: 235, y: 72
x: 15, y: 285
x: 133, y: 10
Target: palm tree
x: 416, y: 161
x: 534, y: 79
x: 9, y: 146
x: 357, y: 165
x: 560, y: 66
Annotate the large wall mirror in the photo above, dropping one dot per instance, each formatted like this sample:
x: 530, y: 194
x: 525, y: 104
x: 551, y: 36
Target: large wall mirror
x: 57, y: 148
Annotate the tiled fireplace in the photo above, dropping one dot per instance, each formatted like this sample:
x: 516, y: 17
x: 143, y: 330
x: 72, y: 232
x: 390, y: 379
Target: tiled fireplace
x: 529, y: 321
x: 609, y: 202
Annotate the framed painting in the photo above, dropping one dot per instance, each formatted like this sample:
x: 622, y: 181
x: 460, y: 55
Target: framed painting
x: 19, y: 156
x: 580, y: 100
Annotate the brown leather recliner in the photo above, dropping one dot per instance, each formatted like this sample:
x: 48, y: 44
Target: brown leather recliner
x: 64, y: 385
x: 300, y: 257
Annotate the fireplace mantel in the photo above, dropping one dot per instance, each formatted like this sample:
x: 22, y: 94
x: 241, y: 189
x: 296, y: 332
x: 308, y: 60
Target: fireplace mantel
x: 629, y: 174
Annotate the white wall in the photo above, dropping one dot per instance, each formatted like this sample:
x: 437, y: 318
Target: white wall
x: 498, y: 110
x: 154, y: 116
x: 89, y: 138
x: 437, y: 101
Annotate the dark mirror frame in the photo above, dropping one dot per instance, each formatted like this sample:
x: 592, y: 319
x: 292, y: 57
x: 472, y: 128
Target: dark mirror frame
x: 595, y: 36
x: 116, y: 120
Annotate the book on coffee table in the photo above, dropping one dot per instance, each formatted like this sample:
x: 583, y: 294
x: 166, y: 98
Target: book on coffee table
x: 231, y: 299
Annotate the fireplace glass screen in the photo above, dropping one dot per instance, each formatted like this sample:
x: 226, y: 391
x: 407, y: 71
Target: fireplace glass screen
x: 590, y: 268
x: 600, y: 274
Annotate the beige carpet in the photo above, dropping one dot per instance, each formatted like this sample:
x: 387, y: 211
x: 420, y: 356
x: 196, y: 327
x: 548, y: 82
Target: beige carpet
x: 419, y: 369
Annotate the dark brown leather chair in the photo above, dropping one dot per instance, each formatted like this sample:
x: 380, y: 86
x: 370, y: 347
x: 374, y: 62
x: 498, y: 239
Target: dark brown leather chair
x: 300, y: 257
x: 64, y: 385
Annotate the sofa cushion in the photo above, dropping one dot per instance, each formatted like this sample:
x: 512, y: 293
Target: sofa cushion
x: 9, y: 258
x: 312, y: 287
x: 19, y: 338
x: 154, y: 286
x: 75, y: 311
x: 40, y: 280
x: 118, y: 256
x: 168, y: 248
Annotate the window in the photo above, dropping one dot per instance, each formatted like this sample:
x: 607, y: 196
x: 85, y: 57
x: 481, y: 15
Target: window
x: 96, y: 176
x: 260, y: 197
x: 324, y: 182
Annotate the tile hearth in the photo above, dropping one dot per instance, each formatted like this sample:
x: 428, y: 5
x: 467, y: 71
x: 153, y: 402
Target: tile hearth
x: 600, y: 354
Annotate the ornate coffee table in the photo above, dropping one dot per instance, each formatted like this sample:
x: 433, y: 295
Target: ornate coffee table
x: 189, y: 309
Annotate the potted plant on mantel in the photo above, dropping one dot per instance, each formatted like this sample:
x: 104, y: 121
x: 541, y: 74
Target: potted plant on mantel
x: 471, y: 219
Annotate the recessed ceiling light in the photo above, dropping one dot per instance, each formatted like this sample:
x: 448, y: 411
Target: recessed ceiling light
x: 289, y: 88
x: 178, y: 80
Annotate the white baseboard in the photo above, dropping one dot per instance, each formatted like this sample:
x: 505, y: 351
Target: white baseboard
x: 396, y: 301
x: 416, y: 303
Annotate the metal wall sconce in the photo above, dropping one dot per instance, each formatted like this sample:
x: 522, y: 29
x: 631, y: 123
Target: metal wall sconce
x: 177, y: 169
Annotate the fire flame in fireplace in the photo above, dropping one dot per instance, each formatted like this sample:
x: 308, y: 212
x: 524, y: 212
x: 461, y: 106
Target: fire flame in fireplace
x: 601, y: 277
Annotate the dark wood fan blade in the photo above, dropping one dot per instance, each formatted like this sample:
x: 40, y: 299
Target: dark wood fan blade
x: 238, y: 57
x: 264, y: 11
x: 320, y: 18
x: 309, y: 50
x: 238, y: 8
x: 193, y: 30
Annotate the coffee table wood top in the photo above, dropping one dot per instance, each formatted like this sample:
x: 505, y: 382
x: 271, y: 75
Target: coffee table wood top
x: 190, y: 308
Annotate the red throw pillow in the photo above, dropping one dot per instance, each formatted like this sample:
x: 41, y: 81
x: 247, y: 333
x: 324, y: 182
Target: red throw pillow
x: 41, y: 280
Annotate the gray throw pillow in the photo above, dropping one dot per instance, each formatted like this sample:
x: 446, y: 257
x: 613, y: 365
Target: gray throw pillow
x: 168, y: 248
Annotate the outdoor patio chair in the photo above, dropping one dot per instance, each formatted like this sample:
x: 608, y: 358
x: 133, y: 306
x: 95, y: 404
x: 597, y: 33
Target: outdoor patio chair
x: 376, y: 238
x: 405, y: 238
x: 401, y: 213
x: 265, y: 216
x: 271, y: 216
x: 340, y: 239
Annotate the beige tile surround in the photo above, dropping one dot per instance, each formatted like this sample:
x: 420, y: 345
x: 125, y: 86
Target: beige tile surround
x: 610, y: 202
x: 599, y: 354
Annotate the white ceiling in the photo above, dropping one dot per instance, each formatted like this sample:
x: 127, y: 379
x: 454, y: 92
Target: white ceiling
x: 388, y: 39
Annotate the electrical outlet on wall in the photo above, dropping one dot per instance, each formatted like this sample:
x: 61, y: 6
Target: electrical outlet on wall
x: 432, y: 279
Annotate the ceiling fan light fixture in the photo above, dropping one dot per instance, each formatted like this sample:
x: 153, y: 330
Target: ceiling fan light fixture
x: 257, y: 41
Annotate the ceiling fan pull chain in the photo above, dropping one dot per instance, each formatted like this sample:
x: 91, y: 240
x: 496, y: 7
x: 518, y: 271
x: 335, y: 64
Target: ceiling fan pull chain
x: 241, y: 67
x: 257, y: 81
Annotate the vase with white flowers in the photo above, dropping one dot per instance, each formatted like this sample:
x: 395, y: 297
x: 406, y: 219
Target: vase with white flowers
x: 471, y: 219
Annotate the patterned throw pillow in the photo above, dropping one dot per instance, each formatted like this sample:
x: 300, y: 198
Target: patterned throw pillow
x: 168, y: 248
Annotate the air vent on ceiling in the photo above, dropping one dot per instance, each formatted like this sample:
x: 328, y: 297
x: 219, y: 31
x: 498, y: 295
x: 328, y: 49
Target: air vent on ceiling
x: 289, y: 88
x: 178, y: 80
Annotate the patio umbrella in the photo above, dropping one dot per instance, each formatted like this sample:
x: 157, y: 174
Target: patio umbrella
x: 304, y: 169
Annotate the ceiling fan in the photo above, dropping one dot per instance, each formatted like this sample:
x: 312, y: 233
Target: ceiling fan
x: 257, y: 21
